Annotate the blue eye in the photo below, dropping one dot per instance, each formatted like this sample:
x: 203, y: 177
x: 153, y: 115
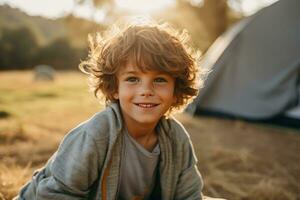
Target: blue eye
x: 160, y: 80
x: 132, y: 79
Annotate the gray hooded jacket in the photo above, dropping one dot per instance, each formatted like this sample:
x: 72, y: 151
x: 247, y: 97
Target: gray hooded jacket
x: 87, y: 163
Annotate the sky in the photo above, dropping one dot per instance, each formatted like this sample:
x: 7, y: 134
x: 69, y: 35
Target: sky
x: 52, y: 8
x: 58, y: 8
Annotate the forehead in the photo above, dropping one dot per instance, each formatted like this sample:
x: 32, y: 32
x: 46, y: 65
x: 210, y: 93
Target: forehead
x: 130, y: 67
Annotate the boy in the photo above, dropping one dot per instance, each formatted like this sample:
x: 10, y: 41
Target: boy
x: 132, y: 150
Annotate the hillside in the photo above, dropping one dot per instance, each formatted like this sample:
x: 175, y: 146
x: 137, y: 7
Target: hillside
x: 47, y: 30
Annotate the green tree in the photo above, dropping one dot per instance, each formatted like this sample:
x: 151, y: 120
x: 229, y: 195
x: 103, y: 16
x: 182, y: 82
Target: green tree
x: 60, y: 54
x: 18, y: 48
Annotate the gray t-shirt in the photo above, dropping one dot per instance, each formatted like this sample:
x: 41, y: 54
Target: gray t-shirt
x: 138, y: 170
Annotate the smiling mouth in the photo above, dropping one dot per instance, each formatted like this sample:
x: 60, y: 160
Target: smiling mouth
x: 146, y: 105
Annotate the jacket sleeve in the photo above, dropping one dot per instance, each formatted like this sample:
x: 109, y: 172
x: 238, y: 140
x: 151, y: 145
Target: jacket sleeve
x: 70, y: 173
x: 189, y: 184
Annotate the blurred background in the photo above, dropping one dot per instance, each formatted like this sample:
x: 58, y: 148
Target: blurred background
x: 251, y: 48
x: 55, y: 32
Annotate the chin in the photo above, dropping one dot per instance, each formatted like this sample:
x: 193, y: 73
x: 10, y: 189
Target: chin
x: 151, y: 120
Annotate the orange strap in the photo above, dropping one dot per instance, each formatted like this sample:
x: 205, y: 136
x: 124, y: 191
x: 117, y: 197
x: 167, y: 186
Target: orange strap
x: 104, y: 181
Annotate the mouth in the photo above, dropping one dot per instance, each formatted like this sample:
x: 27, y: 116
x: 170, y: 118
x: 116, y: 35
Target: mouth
x: 146, y: 105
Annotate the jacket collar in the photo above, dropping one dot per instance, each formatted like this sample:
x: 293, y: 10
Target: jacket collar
x: 111, y: 172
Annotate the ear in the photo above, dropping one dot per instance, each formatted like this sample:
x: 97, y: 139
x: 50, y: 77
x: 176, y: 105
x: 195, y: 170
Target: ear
x: 116, y: 95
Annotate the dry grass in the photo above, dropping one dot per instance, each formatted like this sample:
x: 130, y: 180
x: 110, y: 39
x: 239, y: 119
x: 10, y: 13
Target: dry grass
x: 237, y: 160
x: 246, y: 161
x: 11, y: 177
x: 36, y: 117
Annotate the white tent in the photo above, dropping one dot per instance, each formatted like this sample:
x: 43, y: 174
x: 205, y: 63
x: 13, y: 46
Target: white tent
x: 255, y: 68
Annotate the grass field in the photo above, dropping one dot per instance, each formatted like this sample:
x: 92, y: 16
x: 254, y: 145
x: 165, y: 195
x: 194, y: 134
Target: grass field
x: 237, y: 160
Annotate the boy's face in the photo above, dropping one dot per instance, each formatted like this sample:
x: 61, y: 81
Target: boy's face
x: 144, y: 96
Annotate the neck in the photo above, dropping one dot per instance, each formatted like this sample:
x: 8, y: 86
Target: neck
x: 141, y: 131
x: 144, y: 135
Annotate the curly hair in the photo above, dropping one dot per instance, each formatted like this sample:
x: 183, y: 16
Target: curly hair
x: 149, y: 47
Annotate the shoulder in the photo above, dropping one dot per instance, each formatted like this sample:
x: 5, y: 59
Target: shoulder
x: 175, y: 130
x: 88, y: 142
x: 100, y: 127
x: 178, y: 137
x: 106, y: 122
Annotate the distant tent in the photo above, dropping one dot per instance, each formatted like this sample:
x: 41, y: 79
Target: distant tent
x: 44, y: 73
x: 255, y: 68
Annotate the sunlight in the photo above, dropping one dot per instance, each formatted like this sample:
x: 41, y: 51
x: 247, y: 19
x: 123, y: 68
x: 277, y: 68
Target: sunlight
x: 249, y: 7
x: 143, y: 6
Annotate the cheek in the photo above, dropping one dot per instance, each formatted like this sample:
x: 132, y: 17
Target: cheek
x: 124, y: 91
x: 167, y: 93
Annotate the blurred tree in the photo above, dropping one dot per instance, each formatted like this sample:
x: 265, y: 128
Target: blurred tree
x: 106, y: 6
x: 17, y: 48
x: 214, y: 15
x: 60, y: 54
x: 78, y: 30
x: 94, y: 2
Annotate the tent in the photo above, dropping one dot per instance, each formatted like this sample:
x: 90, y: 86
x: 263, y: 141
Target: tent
x: 255, y: 68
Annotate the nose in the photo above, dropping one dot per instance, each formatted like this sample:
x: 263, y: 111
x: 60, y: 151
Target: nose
x: 147, y: 89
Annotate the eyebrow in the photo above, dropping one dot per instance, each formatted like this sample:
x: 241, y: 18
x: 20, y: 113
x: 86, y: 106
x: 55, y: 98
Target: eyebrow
x: 136, y: 72
x: 130, y: 72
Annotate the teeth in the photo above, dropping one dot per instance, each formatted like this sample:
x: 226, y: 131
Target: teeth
x: 146, y: 105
